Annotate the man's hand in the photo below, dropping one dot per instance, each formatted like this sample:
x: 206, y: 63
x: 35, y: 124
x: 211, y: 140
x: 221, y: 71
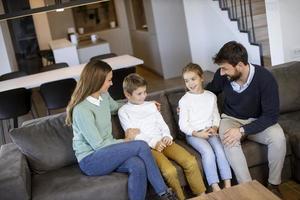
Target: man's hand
x: 205, y: 134
x: 231, y: 137
x: 167, y: 140
x: 160, y: 145
x: 131, y: 133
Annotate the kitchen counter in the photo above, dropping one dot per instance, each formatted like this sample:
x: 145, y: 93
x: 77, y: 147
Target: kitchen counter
x: 64, y: 51
x: 87, y: 49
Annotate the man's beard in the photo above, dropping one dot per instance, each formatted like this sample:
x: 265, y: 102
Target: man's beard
x: 235, y: 77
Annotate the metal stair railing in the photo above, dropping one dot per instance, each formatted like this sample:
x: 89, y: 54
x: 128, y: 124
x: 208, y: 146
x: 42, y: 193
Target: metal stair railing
x: 242, y: 12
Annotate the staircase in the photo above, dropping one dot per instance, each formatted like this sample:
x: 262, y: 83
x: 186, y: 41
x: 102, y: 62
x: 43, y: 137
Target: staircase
x: 251, y: 18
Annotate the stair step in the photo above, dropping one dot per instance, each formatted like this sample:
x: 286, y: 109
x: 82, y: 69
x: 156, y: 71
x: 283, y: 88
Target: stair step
x: 257, y: 9
x: 261, y: 33
x: 267, y: 61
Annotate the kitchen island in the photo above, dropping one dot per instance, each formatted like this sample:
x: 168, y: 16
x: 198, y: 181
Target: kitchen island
x: 87, y: 49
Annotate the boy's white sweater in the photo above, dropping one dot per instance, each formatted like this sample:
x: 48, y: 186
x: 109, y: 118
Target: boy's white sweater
x: 147, y: 118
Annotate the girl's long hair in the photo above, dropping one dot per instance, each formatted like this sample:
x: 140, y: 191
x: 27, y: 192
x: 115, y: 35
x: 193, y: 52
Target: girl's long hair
x: 91, y: 80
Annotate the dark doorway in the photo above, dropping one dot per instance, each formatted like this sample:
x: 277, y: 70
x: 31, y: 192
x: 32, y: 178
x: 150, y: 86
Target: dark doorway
x: 23, y: 37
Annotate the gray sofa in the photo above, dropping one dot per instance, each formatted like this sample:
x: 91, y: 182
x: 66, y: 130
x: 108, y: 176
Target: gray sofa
x: 40, y: 163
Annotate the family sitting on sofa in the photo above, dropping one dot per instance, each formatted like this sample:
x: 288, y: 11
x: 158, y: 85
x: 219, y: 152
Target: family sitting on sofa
x: 250, y: 109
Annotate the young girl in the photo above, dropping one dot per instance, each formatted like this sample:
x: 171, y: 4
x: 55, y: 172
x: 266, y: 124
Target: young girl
x: 98, y: 153
x: 199, y: 120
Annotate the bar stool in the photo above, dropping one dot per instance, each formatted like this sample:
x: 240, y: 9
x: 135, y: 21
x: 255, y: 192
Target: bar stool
x: 14, y: 103
x: 57, y: 94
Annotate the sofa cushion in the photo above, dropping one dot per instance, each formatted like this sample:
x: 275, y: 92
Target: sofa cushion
x: 46, y: 143
x: 287, y: 76
x: 69, y: 183
x: 173, y: 96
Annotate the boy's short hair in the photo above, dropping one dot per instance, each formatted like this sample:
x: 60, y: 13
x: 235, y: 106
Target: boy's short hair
x: 232, y: 52
x: 192, y: 67
x: 132, y: 82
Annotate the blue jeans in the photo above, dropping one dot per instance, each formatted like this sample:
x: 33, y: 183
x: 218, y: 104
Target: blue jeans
x: 211, y: 150
x: 134, y: 158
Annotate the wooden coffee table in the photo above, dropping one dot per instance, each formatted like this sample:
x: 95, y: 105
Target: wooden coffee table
x: 247, y: 191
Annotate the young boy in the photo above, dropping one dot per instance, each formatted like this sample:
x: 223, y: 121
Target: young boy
x: 147, y: 120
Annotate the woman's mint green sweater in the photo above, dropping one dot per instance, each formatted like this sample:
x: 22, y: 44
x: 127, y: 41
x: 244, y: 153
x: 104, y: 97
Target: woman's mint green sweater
x: 92, y: 126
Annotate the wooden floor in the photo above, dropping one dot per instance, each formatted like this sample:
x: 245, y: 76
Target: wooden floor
x: 290, y: 190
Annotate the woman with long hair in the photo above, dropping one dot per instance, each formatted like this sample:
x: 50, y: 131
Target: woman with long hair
x: 98, y: 153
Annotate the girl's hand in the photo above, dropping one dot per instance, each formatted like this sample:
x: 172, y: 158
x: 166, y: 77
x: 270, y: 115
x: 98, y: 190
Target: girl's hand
x: 131, y: 133
x: 213, y: 130
x: 205, y: 134
x: 167, y: 140
x: 160, y: 146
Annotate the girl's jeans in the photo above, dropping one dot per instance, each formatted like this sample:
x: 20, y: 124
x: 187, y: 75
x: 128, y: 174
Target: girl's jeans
x: 211, y: 151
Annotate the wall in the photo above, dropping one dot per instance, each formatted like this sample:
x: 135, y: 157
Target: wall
x: 119, y: 38
x: 172, y: 36
x: 145, y: 43
x: 208, y: 29
x: 165, y: 46
x: 59, y: 23
x: 41, y: 25
x: 283, y: 17
x: 8, y: 61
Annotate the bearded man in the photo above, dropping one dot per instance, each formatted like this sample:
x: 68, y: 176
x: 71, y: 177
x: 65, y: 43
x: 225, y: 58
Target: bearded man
x: 250, y: 109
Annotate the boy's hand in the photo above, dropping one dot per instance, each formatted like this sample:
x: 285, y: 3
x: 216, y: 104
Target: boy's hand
x: 160, y: 146
x: 205, y: 134
x: 167, y: 140
x: 131, y: 133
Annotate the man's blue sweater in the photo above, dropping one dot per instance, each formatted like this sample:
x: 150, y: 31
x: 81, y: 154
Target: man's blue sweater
x: 260, y: 100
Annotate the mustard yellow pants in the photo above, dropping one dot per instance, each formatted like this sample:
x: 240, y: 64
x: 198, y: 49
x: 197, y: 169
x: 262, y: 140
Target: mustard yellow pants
x: 189, y: 164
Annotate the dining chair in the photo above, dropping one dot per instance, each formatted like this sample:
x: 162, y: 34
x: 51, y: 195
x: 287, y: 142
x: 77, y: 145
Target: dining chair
x: 47, y: 54
x: 12, y: 75
x: 103, y: 56
x: 57, y: 94
x: 116, y: 90
x: 14, y: 103
x: 53, y: 67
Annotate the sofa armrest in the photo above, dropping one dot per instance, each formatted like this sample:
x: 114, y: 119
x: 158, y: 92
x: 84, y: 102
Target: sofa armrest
x: 295, y: 141
x: 15, y: 176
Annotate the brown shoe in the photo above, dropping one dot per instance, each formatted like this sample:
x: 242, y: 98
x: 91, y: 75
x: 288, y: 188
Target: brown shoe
x: 275, y: 190
x: 169, y: 195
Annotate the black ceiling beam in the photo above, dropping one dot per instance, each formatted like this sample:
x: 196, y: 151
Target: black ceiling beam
x: 32, y: 11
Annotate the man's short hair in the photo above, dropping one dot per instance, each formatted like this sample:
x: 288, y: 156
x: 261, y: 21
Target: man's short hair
x: 132, y: 82
x: 232, y: 52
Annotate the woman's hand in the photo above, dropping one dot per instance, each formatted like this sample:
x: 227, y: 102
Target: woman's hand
x: 205, y: 134
x: 167, y: 140
x: 157, y: 104
x: 160, y: 145
x: 131, y: 133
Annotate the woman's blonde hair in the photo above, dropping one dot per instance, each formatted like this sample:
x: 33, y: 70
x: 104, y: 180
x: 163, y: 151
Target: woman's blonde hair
x: 192, y: 67
x: 91, y: 80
